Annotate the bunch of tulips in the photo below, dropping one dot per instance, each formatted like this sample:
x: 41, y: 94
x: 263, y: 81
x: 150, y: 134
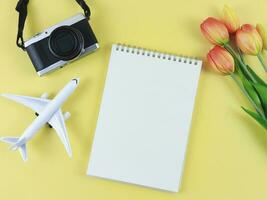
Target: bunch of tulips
x: 232, y: 42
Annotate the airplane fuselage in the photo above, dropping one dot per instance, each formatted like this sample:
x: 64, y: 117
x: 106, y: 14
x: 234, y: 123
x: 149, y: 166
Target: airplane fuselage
x: 47, y: 113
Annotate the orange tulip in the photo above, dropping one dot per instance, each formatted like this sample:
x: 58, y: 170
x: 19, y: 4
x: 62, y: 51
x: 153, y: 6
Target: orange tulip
x: 249, y: 40
x: 215, y: 31
x: 230, y: 19
x: 221, y: 60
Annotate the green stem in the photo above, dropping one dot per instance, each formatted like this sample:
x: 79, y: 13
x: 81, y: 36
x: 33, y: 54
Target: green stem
x: 244, y: 67
x: 247, y: 95
x: 262, y: 61
x: 241, y: 55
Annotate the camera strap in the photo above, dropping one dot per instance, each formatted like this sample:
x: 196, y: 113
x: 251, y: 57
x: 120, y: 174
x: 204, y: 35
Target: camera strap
x: 21, y: 8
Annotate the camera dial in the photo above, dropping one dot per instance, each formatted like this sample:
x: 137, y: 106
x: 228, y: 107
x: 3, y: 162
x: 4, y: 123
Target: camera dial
x: 66, y: 43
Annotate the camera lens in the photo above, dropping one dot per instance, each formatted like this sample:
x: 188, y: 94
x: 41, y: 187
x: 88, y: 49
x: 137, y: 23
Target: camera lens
x: 66, y: 43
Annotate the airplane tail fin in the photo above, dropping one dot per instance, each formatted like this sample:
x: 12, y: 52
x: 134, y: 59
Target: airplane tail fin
x: 16, y: 144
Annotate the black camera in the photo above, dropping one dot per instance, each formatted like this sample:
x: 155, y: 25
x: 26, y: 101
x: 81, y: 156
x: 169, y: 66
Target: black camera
x: 59, y: 44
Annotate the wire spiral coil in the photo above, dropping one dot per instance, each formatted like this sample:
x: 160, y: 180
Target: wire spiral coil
x: 156, y: 54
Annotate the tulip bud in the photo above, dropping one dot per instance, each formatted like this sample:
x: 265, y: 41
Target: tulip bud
x: 230, y: 19
x: 249, y: 40
x: 221, y: 60
x: 263, y: 33
x: 215, y: 31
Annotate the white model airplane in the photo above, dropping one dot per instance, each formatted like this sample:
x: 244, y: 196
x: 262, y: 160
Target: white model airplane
x: 48, y: 112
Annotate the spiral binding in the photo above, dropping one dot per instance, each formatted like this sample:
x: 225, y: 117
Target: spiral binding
x: 156, y: 54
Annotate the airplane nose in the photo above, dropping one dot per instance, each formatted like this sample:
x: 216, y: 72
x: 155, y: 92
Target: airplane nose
x: 77, y: 80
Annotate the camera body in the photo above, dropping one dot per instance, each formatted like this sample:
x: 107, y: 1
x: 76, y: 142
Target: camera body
x: 60, y: 44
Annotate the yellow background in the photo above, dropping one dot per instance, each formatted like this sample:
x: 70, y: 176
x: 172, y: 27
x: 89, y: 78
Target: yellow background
x: 227, y: 151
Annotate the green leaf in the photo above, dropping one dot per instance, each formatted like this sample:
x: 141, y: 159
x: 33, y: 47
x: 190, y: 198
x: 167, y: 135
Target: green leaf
x: 258, y: 118
x: 242, y: 71
x: 262, y: 92
x: 251, y: 92
x: 256, y: 77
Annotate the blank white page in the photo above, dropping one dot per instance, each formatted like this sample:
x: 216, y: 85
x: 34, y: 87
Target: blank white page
x: 145, y: 116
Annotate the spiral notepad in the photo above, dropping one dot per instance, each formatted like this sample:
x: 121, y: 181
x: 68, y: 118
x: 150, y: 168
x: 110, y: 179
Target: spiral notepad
x: 145, y: 116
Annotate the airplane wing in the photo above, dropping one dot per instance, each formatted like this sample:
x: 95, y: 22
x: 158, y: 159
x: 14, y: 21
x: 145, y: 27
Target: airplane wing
x: 58, y: 123
x: 36, y: 104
